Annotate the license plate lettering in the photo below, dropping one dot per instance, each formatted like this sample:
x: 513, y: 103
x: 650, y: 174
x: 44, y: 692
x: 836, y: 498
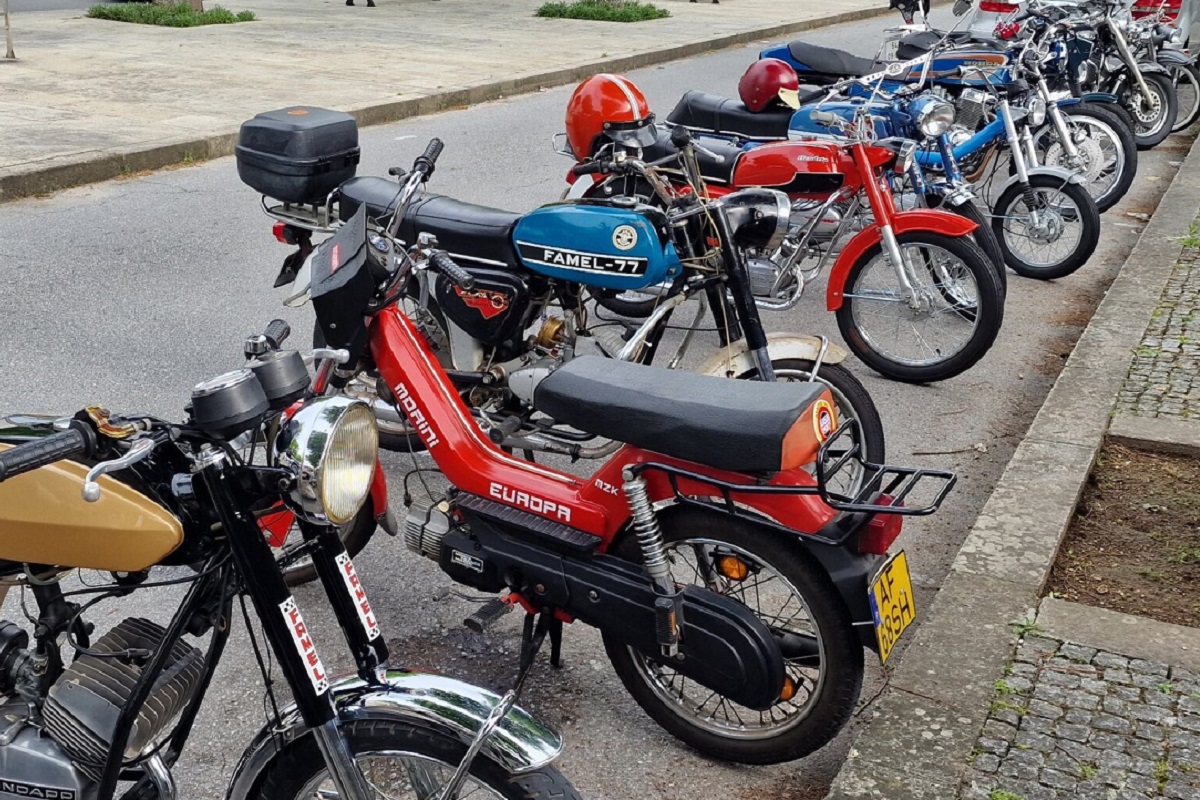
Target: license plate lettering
x: 892, y: 603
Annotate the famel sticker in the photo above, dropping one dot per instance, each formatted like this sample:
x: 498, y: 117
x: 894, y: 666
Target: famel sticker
x: 305, y: 646
x: 359, y: 595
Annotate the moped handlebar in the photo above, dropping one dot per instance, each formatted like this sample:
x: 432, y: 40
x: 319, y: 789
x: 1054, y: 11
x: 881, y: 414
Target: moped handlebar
x: 444, y: 264
x: 78, y: 441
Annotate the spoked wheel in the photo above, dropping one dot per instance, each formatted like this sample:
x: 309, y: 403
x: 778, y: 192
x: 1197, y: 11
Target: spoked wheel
x: 399, y: 762
x: 1186, y: 79
x: 795, y: 598
x: 948, y: 323
x: 851, y: 399
x: 1049, y: 235
x: 1106, y: 151
x: 1154, y: 117
x: 983, y: 234
x: 297, y: 565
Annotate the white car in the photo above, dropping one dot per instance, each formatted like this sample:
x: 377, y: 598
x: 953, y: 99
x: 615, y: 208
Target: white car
x: 987, y: 14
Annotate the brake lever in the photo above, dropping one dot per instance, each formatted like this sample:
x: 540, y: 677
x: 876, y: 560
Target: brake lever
x: 699, y: 148
x: 329, y: 354
x: 138, y: 450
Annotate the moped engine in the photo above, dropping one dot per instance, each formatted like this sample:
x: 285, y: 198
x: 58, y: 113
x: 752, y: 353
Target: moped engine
x: 803, y: 213
x: 83, y: 706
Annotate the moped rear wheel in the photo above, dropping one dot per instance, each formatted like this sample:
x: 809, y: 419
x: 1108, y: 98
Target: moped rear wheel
x: 403, y: 761
x: 792, y: 594
x: 949, y: 324
x: 1064, y: 236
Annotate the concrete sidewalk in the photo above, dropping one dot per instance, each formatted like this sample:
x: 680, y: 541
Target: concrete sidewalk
x: 88, y: 100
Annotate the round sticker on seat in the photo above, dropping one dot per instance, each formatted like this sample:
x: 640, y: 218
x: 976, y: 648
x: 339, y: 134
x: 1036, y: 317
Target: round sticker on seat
x: 824, y: 419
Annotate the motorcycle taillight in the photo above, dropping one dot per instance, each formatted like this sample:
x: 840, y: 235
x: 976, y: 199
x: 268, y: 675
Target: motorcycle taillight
x: 997, y: 6
x: 879, y: 534
x: 1170, y: 9
x: 1007, y: 30
x: 284, y: 233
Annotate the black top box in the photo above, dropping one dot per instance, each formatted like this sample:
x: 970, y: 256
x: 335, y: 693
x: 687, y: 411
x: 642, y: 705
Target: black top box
x: 298, y: 154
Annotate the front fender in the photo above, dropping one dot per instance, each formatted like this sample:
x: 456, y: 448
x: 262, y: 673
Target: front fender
x: 1064, y: 175
x: 1152, y: 66
x: 444, y: 705
x: 735, y: 360
x: 379, y: 502
x: 581, y: 187
x: 919, y: 219
x: 1172, y: 57
x: 1098, y: 97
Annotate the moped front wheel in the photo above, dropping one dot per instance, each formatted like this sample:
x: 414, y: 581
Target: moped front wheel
x: 942, y: 328
x: 1106, y: 148
x: 795, y: 597
x: 403, y: 761
x: 1047, y: 231
x: 1186, y: 79
x: 1153, y: 116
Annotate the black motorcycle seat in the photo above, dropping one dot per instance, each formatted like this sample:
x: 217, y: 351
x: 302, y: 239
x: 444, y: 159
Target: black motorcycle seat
x: 702, y: 111
x: 727, y: 424
x: 831, y: 61
x: 465, y: 230
x: 717, y: 170
x: 918, y: 43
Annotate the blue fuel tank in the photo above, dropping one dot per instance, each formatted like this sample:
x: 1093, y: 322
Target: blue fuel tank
x: 598, y: 245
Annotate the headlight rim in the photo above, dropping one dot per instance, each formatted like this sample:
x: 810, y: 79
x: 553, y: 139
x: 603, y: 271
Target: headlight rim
x: 929, y: 107
x: 294, y: 451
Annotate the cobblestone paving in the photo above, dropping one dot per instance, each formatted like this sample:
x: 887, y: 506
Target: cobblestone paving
x: 1164, y: 379
x: 1073, y: 722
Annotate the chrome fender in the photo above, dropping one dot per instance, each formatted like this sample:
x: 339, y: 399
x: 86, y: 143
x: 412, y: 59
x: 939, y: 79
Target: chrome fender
x: 736, y: 360
x: 1064, y: 175
x: 447, y: 706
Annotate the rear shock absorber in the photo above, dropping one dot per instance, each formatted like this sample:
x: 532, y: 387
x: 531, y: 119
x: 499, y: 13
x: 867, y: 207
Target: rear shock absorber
x: 668, y: 605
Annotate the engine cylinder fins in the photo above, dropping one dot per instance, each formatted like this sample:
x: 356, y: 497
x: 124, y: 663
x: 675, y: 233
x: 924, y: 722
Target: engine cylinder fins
x: 425, y: 526
x: 83, y: 706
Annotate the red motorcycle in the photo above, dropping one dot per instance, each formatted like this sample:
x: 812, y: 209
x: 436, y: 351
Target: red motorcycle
x: 734, y: 589
x: 915, y: 297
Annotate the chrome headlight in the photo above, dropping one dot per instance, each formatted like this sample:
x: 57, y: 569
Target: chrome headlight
x: 757, y: 217
x: 330, y: 445
x: 905, y: 150
x: 1037, y: 111
x: 934, y: 117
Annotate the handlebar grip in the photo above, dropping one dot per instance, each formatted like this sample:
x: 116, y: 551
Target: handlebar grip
x: 824, y: 117
x: 456, y: 274
x: 587, y: 168
x: 277, y: 331
x: 426, y: 161
x: 31, y: 455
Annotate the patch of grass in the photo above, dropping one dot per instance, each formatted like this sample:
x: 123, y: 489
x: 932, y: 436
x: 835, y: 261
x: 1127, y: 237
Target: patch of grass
x: 1002, y: 705
x: 1186, y: 555
x: 1024, y: 627
x: 603, y: 11
x: 1166, y: 688
x: 1087, y: 770
x: 1193, y: 237
x: 1002, y: 687
x: 1162, y: 770
x: 172, y: 16
x: 1000, y: 794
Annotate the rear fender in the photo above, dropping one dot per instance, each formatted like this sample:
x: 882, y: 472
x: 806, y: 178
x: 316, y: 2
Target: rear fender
x: 519, y: 744
x: 1064, y: 175
x: 920, y: 219
x: 736, y: 360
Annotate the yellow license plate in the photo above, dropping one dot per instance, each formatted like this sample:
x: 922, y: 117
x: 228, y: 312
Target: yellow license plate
x: 892, y: 603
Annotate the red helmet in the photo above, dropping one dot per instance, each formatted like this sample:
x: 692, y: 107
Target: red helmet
x: 767, y: 80
x: 612, y: 106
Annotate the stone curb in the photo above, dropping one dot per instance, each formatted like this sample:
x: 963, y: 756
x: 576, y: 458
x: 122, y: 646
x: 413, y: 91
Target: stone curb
x: 1181, y: 436
x: 157, y: 156
x: 919, y: 738
x: 1125, y: 634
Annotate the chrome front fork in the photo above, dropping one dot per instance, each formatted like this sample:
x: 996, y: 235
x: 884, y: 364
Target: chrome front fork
x: 900, y: 264
x: 1020, y: 163
x: 343, y: 769
x: 1060, y: 121
x: 1131, y: 63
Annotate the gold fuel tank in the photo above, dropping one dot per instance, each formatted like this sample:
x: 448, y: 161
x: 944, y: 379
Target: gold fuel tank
x: 45, y: 520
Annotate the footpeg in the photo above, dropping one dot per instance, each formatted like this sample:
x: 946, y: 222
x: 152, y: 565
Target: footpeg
x: 488, y: 613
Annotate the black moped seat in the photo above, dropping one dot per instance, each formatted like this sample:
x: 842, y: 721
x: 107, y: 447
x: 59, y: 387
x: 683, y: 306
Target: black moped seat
x: 726, y: 424
x: 702, y: 111
x: 918, y: 43
x: 832, y: 62
x: 465, y: 230
x: 718, y: 170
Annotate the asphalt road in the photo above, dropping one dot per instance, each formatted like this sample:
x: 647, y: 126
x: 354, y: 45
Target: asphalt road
x: 129, y: 292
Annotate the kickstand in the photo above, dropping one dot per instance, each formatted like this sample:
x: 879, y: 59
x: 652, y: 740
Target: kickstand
x: 556, y: 630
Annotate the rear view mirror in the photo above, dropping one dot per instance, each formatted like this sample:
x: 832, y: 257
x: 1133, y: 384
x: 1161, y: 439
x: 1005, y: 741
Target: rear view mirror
x: 961, y: 7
